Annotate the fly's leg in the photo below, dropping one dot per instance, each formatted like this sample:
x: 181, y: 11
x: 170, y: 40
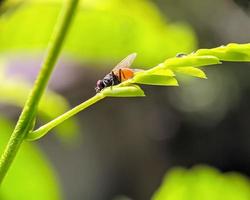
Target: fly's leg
x: 111, y: 87
x: 112, y: 80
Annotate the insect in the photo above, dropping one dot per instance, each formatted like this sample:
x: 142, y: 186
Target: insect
x: 120, y: 73
x: 180, y: 55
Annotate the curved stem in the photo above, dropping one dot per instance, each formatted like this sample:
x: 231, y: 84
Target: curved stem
x: 24, y: 124
x: 43, y: 130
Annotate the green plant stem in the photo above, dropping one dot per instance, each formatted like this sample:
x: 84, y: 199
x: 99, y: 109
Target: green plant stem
x: 26, y: 119
x: 43, y: 130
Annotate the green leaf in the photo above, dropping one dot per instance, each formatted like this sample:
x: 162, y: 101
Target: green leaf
x: 31, y: 176
x: 191, y: 71
x: 191, y: 60
x: 204, y: 183
x: 155, y: 80
x: 230, y: 52
x: 159, y: 70
x: 123, y: 91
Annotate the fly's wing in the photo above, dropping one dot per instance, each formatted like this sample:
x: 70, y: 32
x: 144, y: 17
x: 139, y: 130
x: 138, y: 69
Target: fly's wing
x: 126, y: 62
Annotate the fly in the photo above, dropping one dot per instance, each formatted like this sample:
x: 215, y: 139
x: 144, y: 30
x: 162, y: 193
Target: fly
x: 120, y: 73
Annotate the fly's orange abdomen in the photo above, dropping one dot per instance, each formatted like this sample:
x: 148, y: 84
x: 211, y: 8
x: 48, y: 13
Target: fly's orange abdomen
x: 127, y: 74
x: 124, y: 74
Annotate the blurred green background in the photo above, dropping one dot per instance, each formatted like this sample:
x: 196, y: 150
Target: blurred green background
x: 122, y: 149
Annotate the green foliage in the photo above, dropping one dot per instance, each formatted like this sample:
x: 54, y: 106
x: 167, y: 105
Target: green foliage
x: 153, y: 79
x: 232, y: 52
x: 190, y: 60
x: 104, y: 30
x: 204, y: 183
x: 126, y: 91
x: 164, y: 73
x: 161, y: 75
x: 135, y: 26
x: 31, y: 176
x: 191, y: 71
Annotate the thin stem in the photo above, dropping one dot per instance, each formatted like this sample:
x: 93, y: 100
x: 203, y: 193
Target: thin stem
x: 24, y: 124
x: 43, y: 130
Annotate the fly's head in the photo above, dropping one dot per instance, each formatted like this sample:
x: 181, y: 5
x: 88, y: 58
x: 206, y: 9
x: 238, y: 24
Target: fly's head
x: 99, y: 86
